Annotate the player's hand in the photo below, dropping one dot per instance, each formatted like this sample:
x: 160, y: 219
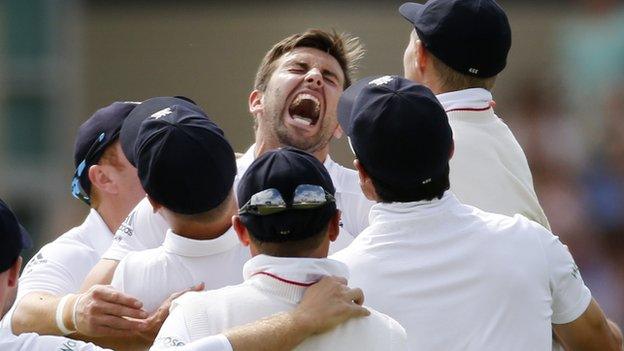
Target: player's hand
x: 329, y: 303
x: 101, y: 310
x: 156, y: 319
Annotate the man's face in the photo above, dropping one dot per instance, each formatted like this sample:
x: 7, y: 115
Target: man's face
x: 410, y: 61
x: 299, y: 105
x: 126, y: 178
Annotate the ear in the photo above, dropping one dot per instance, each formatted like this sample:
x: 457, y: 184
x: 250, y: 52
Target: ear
x: 422, y: 58
x: 256, y: 102
x: 100, y: 178
x: 333, y: 229
x: 338, y: 132
x: 241, y: 230
x: 366, y: 183
x: 155, y: 204
x: 14, y: 272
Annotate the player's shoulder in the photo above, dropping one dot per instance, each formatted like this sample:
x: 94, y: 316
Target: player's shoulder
x: 345, y: 180
x: 379, y: 326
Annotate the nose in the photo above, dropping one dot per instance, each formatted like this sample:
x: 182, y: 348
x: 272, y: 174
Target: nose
x: 314, y: 77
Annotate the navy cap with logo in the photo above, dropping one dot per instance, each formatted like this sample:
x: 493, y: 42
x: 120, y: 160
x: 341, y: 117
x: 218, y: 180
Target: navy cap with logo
x: 184, y: 161
x: 471, y: 36
x: 92, y: 139
x: 130, y: 129
x: 286, y: 171
x: 14, y: 237
x: 397, y: 129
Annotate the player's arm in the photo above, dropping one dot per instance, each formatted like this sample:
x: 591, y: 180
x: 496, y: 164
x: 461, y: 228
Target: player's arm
x: 101, y: 274
x: 324, y: 306
x: 97, y: 312
x: 591, y: 331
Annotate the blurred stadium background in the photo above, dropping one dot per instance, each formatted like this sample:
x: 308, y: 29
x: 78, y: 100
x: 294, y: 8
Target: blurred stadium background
x: 562, y: 94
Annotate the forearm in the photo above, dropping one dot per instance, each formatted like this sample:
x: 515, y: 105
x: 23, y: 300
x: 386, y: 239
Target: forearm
x: 101, y: 274
x: 36, y: 312
x: 280, y: 332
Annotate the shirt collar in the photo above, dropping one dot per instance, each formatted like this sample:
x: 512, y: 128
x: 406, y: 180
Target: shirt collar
x: 389, y: 212
x: 466, y: 99
x: 290, y: 276
x: 182, y: 246
x: 98, y: 233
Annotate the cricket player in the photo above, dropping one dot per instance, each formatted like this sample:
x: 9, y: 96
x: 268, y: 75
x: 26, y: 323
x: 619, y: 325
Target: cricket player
x: 48, y: 300
x: 325, y: 305
x: 456, y: 277
x: 288, y: 218
x: 293, y: 104
x: 457, y: 48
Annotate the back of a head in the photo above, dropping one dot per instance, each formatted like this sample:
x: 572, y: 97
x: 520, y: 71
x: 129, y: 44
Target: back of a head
x: 470, y: 37
x: 184, y: 161
x: 400, y: 134
x: 286, y: 197
x: 13, y: 237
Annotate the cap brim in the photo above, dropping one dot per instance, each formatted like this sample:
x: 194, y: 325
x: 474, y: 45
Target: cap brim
x: 347, y: 100
x: 132, y: 124
x: 411, y: 11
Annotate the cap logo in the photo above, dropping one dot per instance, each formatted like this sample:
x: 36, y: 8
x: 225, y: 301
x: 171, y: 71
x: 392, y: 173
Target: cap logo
x: 161, y: 113
x: 381, y: 81
x: 473, y: 70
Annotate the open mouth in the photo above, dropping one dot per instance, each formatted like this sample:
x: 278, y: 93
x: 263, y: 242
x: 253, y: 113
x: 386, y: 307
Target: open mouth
x: 305, y: 109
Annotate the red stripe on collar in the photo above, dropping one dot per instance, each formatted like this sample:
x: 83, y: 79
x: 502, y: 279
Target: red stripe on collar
x: 284, y: 280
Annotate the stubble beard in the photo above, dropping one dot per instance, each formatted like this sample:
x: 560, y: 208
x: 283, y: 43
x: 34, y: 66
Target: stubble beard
x: 286, y: 137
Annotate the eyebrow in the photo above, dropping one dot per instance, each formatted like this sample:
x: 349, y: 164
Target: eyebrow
x: 304, y: 65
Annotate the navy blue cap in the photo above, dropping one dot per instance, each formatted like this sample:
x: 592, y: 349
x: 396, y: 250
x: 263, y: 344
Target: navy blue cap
x: 284, y: 169
x: 184, y: 161
x: 96, y: 133
x: 397, y: 129
x: 131, y: 126
x: 471, y: 36
x: 14, y: 238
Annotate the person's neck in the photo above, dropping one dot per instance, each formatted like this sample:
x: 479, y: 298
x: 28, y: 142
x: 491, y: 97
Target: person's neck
x: 265, y: 144
x: 113, y: 212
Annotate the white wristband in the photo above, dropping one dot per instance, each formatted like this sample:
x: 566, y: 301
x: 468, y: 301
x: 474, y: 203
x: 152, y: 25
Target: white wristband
x: 74, y: 312
x: 59, y: 316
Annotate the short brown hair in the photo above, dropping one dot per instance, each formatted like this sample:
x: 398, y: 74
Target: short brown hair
x: 451, y: 80
x: 346, y: 49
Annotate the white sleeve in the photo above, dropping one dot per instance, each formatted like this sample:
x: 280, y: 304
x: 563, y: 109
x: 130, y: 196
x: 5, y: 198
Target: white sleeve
x: 34, y: 342
x: 210, y: 343
x: 141, y: 230
x: 43, y: 273
x: 570, y: 296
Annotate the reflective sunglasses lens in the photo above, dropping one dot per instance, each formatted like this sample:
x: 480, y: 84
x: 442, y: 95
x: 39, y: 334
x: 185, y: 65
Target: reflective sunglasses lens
x: 309, y: 196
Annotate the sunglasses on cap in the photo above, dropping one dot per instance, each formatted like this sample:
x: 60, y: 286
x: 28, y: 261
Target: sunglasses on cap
x: 270, y: 201
x: 76, y: 188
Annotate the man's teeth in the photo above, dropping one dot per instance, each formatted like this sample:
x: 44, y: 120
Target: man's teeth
x: 302, y: 120
x: 309, y: 97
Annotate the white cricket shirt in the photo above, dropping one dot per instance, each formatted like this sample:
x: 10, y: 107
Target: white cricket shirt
x: 458, y: 278
x: 153, y: 275
x: 35, y: 342
x: 273, y: 285
x: 144, y: 229
x: 489, y: 169
x: 61, y: 266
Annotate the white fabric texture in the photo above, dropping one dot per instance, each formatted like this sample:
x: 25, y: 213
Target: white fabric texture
x: 153, y: 275
x: 61, y: 266
x: 35, y: 342
x: 144, y: 229
x: 209, y: 343
x: 275, y: 285
x: 458, y: 278
x: 489, y: 169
